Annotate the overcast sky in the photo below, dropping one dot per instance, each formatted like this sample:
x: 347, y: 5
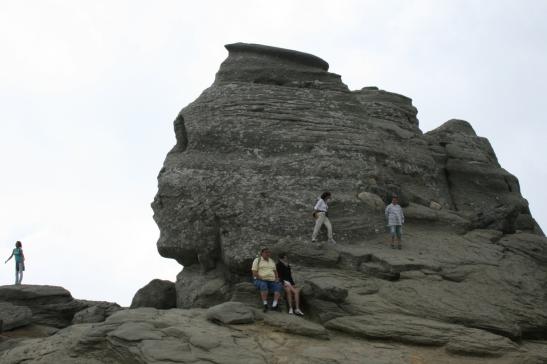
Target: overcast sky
x: 89, y: 90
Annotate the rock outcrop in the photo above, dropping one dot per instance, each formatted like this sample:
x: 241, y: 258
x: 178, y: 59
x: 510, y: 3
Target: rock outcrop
x: 147, y: 335
x: 50, y: 306
x: 276, y: 129
x: 157, y: 293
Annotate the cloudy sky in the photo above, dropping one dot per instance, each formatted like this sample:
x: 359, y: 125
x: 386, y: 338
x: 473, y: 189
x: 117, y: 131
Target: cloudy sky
x: 89, y: 90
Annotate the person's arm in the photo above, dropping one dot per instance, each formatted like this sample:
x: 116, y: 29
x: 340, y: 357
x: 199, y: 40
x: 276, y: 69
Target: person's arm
x: 11, y: 256
x: 316, y: 207
x: 387, y: 212
x: 254, y: 269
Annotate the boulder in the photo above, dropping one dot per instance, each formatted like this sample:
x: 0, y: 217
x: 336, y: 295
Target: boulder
x: 50, y: 305
x: 53, y: 306
x: 231, y: 313
x: 12, y: 317
x: 158, y: 293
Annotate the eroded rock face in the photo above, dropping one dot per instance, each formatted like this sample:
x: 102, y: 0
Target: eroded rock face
x: 147, y: 335
x: 275, y: 130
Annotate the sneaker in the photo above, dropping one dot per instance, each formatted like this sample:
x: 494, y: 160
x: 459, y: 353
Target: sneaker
x: 265, y: 309
x: 332, y: 241
x: 399, y: 247
x: 298, y: 312
x: 276, y: 308
x: 290, y: 311
x: 313, y: 240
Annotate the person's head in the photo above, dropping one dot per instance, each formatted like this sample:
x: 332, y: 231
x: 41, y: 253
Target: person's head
x: 18, y: 244
x: 265, y: 253
x: 326, y: 195
x: 283, y: 256
x: 395, y: 199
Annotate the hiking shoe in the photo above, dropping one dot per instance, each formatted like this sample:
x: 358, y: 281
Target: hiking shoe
x: 298, y: 312
x: 313, y: 240
x: 265, y: 309
x: 392, y: 246
x: 276, y: 308
x: 399, y: 247
x: 332, y: 241
x: 291, y: 311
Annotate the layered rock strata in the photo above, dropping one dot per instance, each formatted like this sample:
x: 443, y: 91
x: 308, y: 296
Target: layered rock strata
x: 276, y: 129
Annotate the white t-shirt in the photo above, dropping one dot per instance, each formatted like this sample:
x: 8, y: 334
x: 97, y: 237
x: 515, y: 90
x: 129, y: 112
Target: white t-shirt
x: 321, y: 205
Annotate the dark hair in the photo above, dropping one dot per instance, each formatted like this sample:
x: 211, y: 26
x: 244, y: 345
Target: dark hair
x: 282, y: 255
x: 263, y: 250
x: 18, y: 244
x: 325, y: 195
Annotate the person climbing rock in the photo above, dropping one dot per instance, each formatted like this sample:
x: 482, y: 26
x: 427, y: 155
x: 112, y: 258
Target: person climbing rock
x: 19, y: 262
x: 395, y: 220
x: 320, y: 214
x: 266, y: 279
x: 292, y: 292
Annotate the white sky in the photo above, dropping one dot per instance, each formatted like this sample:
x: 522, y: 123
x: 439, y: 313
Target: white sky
x: 89, y: 90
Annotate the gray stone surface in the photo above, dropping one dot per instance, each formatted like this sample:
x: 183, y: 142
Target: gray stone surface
x: 231, y: 313
x: 147, y: 335
x: 12, y: 317
x: 157, y: 294
x: 274, y: 130
x: 51, y: 305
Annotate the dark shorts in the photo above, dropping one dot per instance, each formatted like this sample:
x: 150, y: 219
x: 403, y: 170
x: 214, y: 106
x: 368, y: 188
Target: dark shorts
x: 396, y: 230
x: 267, y: 286
x: 19, y: 267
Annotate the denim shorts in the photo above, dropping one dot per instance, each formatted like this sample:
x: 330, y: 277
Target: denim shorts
x: 396, y: 230
x: 267, y: 286
x: 19, y: 267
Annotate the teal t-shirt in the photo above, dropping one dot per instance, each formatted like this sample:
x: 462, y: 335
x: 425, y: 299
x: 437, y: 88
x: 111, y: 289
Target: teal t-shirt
x: 18, y: 253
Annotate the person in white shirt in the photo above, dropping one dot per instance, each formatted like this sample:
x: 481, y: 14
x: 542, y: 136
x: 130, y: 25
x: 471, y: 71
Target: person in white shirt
x: 395, y: 220
x: 321, y: 217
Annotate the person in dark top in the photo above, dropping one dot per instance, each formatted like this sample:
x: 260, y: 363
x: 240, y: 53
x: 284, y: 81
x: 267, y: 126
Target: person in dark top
x: 293, y: 293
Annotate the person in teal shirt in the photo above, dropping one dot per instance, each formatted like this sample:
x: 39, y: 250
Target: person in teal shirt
x: 19, y: 262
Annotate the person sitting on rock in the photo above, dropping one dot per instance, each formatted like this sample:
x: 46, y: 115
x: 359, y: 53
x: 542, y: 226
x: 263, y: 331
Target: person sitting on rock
x: 266, y: 278
x: 19, y: 262
x: 395, y: 220
x: 292, y: 292
x: 321, y: 217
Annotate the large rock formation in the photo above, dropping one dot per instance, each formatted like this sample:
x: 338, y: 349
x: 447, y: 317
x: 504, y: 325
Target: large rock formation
x: 276, y: 129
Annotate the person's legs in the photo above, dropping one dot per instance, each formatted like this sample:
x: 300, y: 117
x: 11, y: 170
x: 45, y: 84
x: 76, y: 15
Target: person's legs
x: 329, y: 229
x: 263, y: 289
x: 288, y: 293
x: 296, y: 297
x: 392, y: 233
x: 276, y: 288
x: 20, y: 276
x: 318, y: 222
x: 399, y: 231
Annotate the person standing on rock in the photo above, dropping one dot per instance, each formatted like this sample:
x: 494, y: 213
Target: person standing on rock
x: 266, y: 278
x: 19, y: 262
x: 395, y: 220
x: 292, y: 292
x: 321, y: 217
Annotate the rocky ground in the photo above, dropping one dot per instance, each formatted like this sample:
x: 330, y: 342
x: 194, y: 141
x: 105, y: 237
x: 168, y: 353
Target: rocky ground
x: 236, y: 333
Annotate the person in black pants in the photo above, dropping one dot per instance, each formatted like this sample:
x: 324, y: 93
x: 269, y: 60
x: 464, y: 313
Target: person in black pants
x: 293, y: 293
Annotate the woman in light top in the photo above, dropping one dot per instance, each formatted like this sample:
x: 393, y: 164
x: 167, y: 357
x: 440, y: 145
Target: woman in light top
x: 321, y: 217
x: 395, y: 220
x: 19, y: 262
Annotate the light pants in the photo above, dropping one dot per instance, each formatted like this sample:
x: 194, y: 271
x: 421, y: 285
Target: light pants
x: 322, y: 219
x: 18, y: 277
